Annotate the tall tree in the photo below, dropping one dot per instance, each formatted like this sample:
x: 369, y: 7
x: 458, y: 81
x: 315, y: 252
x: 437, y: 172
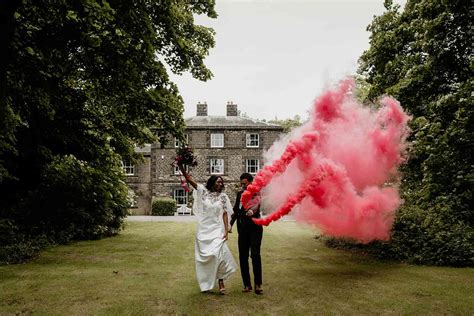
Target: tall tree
x: 86, y: 82
x: 423, y: 57
x: 7, y: 117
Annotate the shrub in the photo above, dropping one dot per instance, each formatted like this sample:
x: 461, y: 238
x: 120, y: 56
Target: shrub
x: 435, y: 235
x: 16, y: 247
x: 75, y: 200
x: 163, y: 207
x: 430, y: 235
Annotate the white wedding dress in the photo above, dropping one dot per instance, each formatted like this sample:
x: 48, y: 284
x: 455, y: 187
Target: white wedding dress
x: 213, y: 258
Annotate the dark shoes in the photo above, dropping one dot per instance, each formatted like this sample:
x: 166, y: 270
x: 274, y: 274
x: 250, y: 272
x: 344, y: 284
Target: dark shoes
x: 258, y: 289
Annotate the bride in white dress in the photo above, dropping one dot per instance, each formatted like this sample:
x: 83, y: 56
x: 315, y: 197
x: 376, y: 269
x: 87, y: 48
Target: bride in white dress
x: 214, y: 260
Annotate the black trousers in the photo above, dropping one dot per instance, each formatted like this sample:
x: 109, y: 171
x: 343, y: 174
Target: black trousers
x: 250, y: 239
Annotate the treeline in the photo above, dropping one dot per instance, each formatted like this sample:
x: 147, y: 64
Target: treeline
x: 81, y: 84
x: 422, y: 55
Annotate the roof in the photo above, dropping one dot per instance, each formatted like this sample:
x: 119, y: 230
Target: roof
x: 219, y: 122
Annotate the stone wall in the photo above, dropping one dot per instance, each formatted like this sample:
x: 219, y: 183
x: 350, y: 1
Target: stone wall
x: 157, y: 178
x: 140, y: 184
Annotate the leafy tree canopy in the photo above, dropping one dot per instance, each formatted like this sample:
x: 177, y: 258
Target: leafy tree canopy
x: 81, y: 84
x: 423, y: 56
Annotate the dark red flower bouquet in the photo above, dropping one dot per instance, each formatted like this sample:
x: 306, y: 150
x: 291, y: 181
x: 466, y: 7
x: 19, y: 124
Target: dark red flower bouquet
x: 186, y: 158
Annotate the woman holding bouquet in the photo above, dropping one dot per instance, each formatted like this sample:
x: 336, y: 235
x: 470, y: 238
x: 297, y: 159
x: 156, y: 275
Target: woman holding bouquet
x: 214, y: 260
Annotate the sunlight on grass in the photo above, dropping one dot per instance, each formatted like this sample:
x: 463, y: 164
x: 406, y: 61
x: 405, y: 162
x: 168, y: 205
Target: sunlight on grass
x: 149, y: 269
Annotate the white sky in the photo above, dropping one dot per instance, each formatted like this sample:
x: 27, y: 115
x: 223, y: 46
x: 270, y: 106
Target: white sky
x: 273, y: 58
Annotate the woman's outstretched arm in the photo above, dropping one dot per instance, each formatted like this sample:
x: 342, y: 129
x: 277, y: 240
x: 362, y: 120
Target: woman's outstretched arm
x: 187, y: 176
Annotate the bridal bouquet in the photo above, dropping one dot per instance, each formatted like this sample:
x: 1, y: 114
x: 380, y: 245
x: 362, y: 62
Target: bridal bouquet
x: 185, y: 157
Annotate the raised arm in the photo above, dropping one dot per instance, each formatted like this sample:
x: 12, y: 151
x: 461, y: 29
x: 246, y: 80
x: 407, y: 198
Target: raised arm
x: 187, y: 176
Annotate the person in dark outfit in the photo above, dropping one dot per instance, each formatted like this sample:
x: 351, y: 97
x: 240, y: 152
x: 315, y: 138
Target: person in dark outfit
x: 249, y: 239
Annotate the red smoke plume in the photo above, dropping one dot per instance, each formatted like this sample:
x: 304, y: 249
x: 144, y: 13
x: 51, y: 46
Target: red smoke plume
x: 339, y: 170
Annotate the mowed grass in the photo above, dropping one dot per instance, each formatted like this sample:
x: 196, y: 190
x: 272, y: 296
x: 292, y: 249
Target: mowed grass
x: 149, y: 270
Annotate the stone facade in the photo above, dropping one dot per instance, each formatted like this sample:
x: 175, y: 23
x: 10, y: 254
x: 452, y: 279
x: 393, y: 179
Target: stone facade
x: 139, y: 182
x: 244, y: 141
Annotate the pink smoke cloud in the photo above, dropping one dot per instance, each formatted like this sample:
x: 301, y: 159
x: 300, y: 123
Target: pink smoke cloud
x: 338, y: 170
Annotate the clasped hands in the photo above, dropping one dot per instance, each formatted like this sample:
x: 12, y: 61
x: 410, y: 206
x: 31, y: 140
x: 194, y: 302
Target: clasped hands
x: 249, y: 213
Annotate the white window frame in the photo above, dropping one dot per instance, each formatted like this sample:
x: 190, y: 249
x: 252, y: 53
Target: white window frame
x: 128, y: 168
x: 247, y: 165
x: 217, y: 140
x: 183, y: 196
x: 177, y: 143
x: 248, y: 140
x: 213, y: 164
x: 178, y: 172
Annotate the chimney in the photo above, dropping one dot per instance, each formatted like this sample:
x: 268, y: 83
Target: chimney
x: 201, y: 109
x: 231, y: 109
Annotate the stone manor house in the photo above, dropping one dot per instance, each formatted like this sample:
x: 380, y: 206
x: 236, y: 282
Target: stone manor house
x: 224, y: 145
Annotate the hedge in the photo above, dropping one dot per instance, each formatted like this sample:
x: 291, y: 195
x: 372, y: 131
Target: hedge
x: 163, y: 207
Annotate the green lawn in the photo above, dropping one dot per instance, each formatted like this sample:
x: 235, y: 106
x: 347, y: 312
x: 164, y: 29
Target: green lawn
x: 149, y: 269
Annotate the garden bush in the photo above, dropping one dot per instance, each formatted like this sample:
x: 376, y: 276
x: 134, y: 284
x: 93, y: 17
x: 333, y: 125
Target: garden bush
x: 163, y: 207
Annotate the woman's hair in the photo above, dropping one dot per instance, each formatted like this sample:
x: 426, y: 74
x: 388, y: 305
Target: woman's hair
x: 211, y: 181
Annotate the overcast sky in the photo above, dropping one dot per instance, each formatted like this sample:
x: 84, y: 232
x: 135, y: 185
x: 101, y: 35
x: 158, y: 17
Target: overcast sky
x: 273, y: 58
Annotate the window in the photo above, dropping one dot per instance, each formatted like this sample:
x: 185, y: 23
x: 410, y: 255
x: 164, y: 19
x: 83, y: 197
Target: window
x: 217, y: 166
x: 252, y: 165
x: 252, y: 140
x: 128, y: 168
x: 178, y: 172
x: 180, y: 196
x: 217, y: 140
x: 178, y: 144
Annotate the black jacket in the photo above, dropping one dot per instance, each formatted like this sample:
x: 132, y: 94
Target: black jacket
x: 239, y: 212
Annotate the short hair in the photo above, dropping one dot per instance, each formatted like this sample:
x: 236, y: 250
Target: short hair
x: 212, y: 180
x: 247, y: 176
